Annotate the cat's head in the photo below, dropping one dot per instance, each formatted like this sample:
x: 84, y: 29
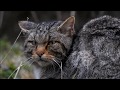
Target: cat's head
x: 47, y: 43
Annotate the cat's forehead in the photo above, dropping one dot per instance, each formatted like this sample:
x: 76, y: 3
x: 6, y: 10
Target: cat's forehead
x: 48, y: 25
x: 43, y: 30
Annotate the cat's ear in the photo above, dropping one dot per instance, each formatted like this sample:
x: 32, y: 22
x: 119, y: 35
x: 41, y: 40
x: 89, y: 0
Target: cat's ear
x: 26, y: 26
x: 67, y: 27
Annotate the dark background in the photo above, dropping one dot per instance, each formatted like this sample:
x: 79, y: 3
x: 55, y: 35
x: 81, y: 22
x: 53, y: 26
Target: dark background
x: 9, y: 19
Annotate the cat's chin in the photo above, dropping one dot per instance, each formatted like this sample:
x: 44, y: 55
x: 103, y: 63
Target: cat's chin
x: 42, y: 63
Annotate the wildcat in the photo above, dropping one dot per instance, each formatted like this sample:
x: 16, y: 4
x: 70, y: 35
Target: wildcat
x: 47, y: 44
x: 96, y: 50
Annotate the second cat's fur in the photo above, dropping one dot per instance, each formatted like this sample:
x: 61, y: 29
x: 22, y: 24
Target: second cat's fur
x: 96, y: 51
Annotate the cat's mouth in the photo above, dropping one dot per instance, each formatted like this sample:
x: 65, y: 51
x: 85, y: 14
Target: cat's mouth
x: 44, y: 57
x: 43, y: 60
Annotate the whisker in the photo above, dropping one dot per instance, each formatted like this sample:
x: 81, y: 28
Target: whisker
x: 59, y: 66
x: 61, y: 71
x: 11, y: 48
x: 57, y: 63
x: 27, y: 60
x: 31, y: 63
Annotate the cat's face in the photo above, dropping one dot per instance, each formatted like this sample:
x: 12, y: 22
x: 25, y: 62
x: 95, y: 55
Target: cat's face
x: 47, y: 43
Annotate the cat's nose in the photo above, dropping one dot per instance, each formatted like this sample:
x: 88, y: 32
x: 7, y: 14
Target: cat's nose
x: 39, y: 54
x: 40, y: 50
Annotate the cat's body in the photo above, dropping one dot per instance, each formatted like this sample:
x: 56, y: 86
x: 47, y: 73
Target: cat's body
x: 95, y: 52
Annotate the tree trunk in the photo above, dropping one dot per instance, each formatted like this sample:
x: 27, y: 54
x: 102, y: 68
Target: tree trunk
x: 1, y: 18
x: 72, y: 13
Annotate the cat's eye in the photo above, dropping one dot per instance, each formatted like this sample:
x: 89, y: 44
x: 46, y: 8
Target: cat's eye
x: 32, y: 42
x: 52, y: 42
x: 50, y: 45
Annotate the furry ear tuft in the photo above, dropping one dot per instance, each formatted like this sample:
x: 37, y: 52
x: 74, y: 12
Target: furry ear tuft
x: 26, y: 26
x: 67, y: 27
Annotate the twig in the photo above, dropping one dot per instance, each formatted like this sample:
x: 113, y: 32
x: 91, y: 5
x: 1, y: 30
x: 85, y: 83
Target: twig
x: 11, y: 48
x: 17, y: 69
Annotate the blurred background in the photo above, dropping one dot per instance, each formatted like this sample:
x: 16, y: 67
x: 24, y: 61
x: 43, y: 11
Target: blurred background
x: 9, y: 31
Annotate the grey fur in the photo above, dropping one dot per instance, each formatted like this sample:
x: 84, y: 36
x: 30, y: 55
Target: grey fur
x: 46, y: 32
x: 96, y: 52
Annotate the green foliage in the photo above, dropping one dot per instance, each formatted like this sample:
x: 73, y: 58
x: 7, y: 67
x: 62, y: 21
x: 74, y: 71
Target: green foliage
x: 11, y: 61
x: 4, y: 74
x: 5, y: 46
